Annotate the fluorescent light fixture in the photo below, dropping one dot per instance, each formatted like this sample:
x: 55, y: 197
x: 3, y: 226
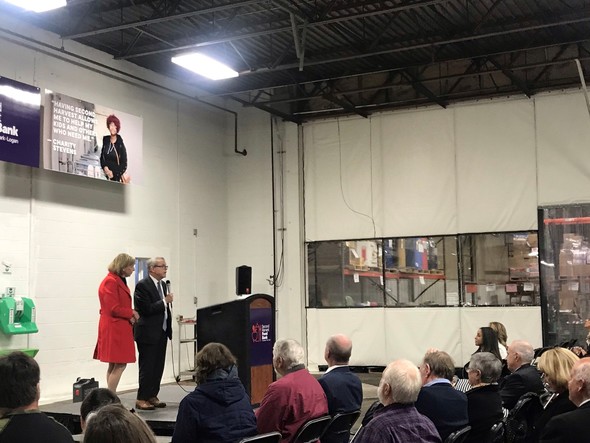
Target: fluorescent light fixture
x: 18, y: 95
x: 38, y: 5
x: 205, y: 66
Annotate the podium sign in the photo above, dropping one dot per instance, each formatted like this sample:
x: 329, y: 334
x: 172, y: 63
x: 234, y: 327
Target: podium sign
x: 247, y: 328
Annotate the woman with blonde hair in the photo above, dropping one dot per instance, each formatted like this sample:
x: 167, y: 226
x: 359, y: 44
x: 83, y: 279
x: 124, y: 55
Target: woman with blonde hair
x: 500, y: 331
x: 556, y: 365
x: 115, y: 344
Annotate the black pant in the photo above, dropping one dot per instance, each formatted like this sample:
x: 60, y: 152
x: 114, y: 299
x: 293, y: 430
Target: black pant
x: 152, y: 358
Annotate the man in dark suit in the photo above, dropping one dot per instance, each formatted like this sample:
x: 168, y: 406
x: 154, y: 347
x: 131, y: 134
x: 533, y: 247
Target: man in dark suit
x: 153, y: 329
x: 523, y: 378
x: 438, y: 399
x: 343, y: 388
x: 572, y: 426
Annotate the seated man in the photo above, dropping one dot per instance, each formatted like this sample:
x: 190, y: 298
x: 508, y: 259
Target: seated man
x: 572, y: 426
x: 293, y: 399
x: 523, y: 378
x: 438, y: 399
x: 343, y: 389
x: 398, y: 420
x: 19, y: 404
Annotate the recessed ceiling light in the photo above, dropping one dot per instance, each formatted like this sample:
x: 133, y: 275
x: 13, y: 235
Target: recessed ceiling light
x: 205, y: 66
x: 38, y: 5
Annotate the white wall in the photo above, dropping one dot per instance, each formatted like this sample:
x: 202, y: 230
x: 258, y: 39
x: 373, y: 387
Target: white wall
x: 381, y: 335
x: 61, y: 231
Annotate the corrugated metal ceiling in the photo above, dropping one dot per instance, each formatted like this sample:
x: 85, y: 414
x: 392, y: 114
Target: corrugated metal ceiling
x: 302, y: 59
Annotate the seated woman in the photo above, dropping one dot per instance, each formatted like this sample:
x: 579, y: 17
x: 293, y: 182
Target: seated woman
x: 219, y: 409
x: 502, y: 335
x: 556, y: 365
x: 115, y: 424
x: 484, y: 404
x: 486, y: 340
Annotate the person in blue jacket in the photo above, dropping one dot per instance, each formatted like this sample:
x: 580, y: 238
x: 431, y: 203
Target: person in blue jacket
x: 218, y: 410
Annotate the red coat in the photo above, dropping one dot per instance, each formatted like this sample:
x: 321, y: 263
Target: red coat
x: 115, y: 333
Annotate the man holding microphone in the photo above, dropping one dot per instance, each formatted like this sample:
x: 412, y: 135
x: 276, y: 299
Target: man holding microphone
x: 152, y: 301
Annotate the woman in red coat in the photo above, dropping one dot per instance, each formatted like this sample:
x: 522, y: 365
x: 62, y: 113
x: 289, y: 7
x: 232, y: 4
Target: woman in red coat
x: 115, y: 344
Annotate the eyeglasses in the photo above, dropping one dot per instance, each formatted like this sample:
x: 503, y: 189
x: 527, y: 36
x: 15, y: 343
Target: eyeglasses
x: 161, y: 266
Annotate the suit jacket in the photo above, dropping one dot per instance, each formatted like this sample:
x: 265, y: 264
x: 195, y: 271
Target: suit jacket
x: 290, y: 402
x: 524, y: 379
x: 558, y: 405
x: 445, y: 406
x: 150, y: 307
x: 343, y: 389
x: 485, y: 410
x: 115, y: 333
x: 568, y: 427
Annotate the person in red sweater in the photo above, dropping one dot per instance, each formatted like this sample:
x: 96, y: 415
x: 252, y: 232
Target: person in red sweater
x: 295, y: 398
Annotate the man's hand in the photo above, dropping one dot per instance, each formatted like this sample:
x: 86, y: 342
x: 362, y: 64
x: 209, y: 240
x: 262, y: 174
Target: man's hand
x: 134, y: 318
x: 169, y: 298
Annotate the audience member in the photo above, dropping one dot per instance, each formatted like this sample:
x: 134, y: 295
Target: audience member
x: 500, y: 331
x: 438, y: 400
x: 399, y: 420
x: 115, y: 424
x: 572, y: 426
x: 556, y: 365
x: 486, y: 341
x: 218, y: 409
x: 295, y: 398
x: 523, y: 378
x: 96, y: 399
x: 21, y: 419
x: 343, y: 389
x: 483, y: 399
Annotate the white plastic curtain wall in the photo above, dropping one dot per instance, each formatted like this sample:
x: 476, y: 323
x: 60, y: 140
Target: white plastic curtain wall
x: 482, y: 167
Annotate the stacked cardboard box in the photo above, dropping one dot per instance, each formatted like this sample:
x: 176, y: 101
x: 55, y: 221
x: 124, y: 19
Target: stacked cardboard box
x: 574, y: 256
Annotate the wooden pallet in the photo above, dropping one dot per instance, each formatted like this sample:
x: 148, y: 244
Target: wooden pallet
x: 358, y: 268
x: 407, y: 270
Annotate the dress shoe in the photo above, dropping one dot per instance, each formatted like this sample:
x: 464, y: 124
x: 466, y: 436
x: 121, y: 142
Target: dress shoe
x: 156, y: 403
x: 144, y: 405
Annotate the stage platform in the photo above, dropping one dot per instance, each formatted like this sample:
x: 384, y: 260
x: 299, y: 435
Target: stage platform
x: 161, y: 420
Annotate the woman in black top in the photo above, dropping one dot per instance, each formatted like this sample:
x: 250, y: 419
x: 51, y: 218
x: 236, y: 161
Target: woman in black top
x: 556, y: 365
x: 113, y: 158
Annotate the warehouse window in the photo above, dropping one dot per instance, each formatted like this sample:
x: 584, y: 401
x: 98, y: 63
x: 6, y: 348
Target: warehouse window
x: 475, y: 269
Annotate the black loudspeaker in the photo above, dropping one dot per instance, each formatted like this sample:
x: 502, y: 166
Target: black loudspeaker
x: 243, y: 280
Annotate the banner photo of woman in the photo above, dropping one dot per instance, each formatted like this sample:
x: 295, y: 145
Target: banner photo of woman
x: 91, y: 140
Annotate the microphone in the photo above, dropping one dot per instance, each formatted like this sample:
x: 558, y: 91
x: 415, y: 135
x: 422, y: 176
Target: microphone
x: 168, y: 289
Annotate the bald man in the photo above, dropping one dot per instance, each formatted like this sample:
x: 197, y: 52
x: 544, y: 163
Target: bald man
x: 343, y: 389
x: 572, y: 426
x: 523, y: 378
x: 399, y: 420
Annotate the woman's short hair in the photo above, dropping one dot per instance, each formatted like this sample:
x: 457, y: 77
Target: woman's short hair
x: 115, y: 424
x: 120, y: 262
x: 113, y: 119
x: 500, y: 330
x: 557, y: 364
x: 96, y: 399
x: 213, y: 356
x: 488, y: 365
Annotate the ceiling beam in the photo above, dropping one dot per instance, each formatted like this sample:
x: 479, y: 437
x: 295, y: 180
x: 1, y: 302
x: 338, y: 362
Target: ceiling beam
x: 518, y: 82
x: 152, y: 21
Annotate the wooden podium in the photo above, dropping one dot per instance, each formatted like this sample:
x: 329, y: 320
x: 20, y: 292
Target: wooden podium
x: 247, y: 327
